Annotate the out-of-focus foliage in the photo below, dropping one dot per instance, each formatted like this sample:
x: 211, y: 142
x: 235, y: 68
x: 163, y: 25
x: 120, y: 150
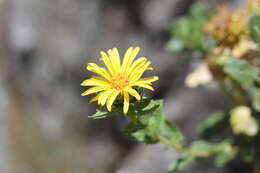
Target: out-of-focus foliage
x: 187, y: 33
x: 254, y: 26
x: 234, y: 63
x: 248, y: 76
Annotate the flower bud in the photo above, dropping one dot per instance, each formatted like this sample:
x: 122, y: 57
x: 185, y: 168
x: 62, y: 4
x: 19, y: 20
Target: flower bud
x: 242, y: 121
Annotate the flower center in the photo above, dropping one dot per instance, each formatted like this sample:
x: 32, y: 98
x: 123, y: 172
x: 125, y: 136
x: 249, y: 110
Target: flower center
x: 119, y: 81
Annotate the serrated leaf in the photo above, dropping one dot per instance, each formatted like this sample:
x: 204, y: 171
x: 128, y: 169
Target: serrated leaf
x: 170, y: 133
x: 100, y: 113
x: 254, y: 27
x: 150, y: 116
x: 181, y: 162
x: 137, y: 132
x: 150, y: 113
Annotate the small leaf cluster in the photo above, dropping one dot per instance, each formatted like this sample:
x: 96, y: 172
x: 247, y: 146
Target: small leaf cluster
x: 187, y: 31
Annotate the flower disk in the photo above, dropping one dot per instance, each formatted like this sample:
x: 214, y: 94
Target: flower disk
x: 118, y: 78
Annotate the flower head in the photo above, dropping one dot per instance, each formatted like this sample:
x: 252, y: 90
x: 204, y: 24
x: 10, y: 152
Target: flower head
x: 227, y: 26
x: 200, y: 76
x: 253, y: 6
x: 118, y: 78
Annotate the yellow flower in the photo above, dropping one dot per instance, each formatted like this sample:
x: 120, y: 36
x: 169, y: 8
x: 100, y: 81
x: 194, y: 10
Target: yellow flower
x: 118, y: 78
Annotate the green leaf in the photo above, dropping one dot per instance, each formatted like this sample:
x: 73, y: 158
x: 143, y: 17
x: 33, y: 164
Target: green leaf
x: 137, y: 132
x: 256, y: 98
x: 254, y: 27
x: 200, y: 10
x: 187, y: 31
x: 212, y: 121
x: 202, y: 146
x: 223, y: 153
x: 171, y: 135
x: 242, y: 71
x: 101, y: 113
x: 149, y: 114
x: 181, y: 162
x: 247, y: 75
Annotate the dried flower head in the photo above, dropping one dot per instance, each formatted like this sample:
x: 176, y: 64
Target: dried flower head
x: 227, y: 26
x: 253, y: 6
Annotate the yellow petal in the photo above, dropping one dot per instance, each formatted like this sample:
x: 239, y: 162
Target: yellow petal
x: 126, y: 58
x: 139, y: 72
x: 138, y: 63
x: 133, y: 92
x: 147, y: 80
x: 126, y: 102
x: 114, y: 61
x: 111, y: 99
x: 95, y: 81
x: 107, y: 62
x: 117, y: 58
x: 93, y: 90
x: 130, y: 58
x: 96, y: 69
x: 101, y: 94
x: 95, y: 98
x: 105, y: 96
x: 144, y: 86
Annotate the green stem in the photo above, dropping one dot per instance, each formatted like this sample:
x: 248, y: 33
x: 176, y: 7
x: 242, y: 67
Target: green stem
x: 184, y: 149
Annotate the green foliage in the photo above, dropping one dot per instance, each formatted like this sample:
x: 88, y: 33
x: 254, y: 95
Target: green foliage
x: 223, y: 152
x: 181, y: 163
x: 187, y: 31
x: 149, y: 125
x: 140, y: 133
x: 242, y: 71
x: 202, y: 147
x: 248, y: 76
x: 212, y: 121
x: 170, y: 134
x: 148, y: 117
x: 100, y: 114
x: 254, y: 27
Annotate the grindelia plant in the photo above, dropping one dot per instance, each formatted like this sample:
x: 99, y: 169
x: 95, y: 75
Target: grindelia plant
x: 119, y: 90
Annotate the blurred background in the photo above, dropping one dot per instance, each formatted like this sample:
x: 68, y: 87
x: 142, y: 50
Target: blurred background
x: 45, y: 44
